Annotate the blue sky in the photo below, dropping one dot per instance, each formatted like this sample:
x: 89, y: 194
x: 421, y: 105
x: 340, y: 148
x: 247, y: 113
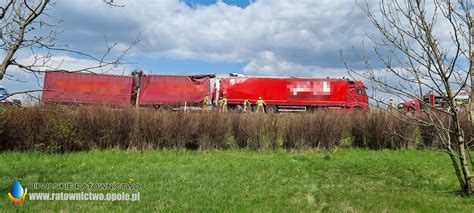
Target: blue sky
x: 189, y: 66
x: 240, y: 3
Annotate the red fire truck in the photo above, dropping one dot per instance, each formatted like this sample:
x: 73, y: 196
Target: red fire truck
x: 437, y: 101
x: 293, y: 94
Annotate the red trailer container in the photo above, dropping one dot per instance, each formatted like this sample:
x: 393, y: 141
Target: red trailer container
x: 65, y: 87
x: 171, y: 90
x: 294, y: 94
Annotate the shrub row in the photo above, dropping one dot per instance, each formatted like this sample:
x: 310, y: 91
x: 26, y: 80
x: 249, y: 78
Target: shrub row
x: 64, y: 129
x: 382, y: 130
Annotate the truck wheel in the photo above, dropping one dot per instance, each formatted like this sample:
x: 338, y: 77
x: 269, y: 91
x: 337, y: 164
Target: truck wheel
x: 271, y: 109
x: 166, y: 107
x: 232, y: 108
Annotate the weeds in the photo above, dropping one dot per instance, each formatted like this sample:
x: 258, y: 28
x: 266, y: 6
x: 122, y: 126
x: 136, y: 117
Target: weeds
x: 65, y: 129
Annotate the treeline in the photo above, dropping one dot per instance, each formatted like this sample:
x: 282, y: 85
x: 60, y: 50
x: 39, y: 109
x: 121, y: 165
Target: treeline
x: 65, y: 129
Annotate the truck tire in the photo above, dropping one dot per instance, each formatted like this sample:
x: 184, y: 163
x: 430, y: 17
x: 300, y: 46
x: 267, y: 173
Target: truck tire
x: 271, y: 109
x: 233, y: 108
x: 166, y: 107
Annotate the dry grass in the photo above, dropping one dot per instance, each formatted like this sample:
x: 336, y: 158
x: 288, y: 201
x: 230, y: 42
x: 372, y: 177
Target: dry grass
x: 429, y: 136
x: 382, y: 130
x: 322, y: 130
x: 64, y: 129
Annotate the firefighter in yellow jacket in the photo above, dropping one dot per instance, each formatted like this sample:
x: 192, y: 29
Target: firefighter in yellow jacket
x: 219, y: 104
x: 391, y: 105
x: 205, y: 103
x: 223, y: 104
x: 260, y: 104
x: 247, y: 105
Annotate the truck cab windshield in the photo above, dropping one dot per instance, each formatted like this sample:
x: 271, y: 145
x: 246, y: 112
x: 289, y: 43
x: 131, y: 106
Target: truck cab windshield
x: 360, y: 91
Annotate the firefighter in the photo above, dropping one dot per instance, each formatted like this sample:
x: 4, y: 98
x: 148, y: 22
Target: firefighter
x: 247, y: 105
x: 224, y: 104
x: 219, y: 103
x: 412, y: 107
x: 401, y: 107
x: 260, y: 103
x: 391, y: 105
x: 459, y: 104
x: 205, y: 103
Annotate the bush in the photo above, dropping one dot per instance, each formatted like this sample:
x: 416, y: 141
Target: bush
x: 255, y: 131
x: 429, y: 133
x: 82, y: 128
x: 466, y: 127
x: 402, y: 132
x: 321, y: 130
x: 101, y: 127
x: 381, y: 130
x: 428, y: 136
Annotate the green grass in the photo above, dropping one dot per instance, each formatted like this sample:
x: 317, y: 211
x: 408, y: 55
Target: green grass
x: 348, y: 180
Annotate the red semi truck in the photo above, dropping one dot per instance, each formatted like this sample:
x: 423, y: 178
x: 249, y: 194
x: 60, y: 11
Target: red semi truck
x: 293, y: 94
x: 171, y: 91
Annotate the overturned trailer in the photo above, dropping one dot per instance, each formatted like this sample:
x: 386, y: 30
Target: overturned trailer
x: 161, y: 91
x: 87, y: 88
x: 171, y: 91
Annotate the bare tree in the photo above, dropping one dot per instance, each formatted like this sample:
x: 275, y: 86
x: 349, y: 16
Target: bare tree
x: 25, y: 25
x: 471, y: 64
x: 421, y: 46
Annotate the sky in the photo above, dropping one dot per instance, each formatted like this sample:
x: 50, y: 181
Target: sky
x: 251, y: 37
x: 302, y: 38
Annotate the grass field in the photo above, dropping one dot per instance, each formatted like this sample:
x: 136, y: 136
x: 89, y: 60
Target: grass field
x: 348, y: 180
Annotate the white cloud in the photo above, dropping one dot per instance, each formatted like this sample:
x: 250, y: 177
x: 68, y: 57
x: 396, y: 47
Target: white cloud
x: 68, y: 63
x: 302, y: 33
x: 222, y: 32
x: 268, y: 64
